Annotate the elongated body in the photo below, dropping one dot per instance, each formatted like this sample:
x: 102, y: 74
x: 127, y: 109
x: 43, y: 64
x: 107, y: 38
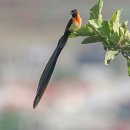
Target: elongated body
x: 73, y: 25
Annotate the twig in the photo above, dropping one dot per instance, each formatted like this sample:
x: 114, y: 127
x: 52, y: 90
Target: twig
x: 126, y: 54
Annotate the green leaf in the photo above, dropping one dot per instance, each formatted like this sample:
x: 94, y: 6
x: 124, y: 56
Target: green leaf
x: 110, y: 55
x: 74, y: 35
x: 84, y: 31
x: 96, y: 23
x: 115, y: 38
x: 116, y: 16
x: 124, y: 34
x: 92, y: 39
x: 124, y: 24
x: 128, y: 64
x: 127, y: 33
x: 115, y: 20
x: 95, y: 11
x: 121, y: 31
x: 105, y: 29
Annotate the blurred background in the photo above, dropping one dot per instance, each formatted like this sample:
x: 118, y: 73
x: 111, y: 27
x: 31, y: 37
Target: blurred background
x: 83, y: 93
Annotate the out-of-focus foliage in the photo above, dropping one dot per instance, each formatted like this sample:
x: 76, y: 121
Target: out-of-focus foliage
x: 10, y: 120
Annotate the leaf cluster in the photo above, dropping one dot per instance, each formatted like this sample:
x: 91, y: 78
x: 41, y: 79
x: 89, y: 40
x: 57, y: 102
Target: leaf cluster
x: 113, y: 34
